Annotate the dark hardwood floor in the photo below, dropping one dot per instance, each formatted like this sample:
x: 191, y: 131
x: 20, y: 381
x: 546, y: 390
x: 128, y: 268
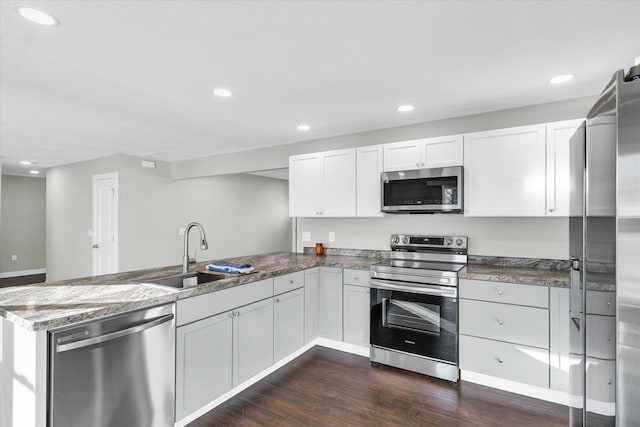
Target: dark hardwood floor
x: 22, y: 280
x: 326, y: 387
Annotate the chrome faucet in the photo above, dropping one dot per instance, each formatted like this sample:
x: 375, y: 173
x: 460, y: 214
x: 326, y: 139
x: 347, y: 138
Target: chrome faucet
x: 203, y: 244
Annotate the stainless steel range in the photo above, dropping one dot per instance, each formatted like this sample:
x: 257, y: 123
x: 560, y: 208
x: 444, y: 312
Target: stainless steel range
x: 414, y: 305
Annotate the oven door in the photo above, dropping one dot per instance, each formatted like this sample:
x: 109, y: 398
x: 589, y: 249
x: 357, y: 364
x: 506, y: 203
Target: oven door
x: 425, y: 324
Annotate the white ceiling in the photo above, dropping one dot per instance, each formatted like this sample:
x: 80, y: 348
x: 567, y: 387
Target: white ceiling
x: 136, y: 77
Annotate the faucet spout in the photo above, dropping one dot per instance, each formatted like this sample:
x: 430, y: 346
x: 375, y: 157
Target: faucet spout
x: 203, y: 243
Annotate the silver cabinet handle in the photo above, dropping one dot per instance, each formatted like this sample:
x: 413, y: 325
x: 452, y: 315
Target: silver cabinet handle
x: 277, y: 299
x: 95, y: 246
x: 291, y: 282
x: 417, y: 165
x: 356, y: 277
x: 231, y: 314
x: 114, y: 335
x: 237, y: 313
x: 499, y: 359
x: 552, y: 210
x: 500, y: 322
x: 500, y: 292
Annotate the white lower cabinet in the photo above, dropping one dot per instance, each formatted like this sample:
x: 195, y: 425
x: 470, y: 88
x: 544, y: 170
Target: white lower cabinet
x: 204, y: 352
x: 288, y: 322
x: 252, y: 340
x: 505, y: 340
x: 559, y: 318
x: 515, y: 362
x: 330, y: 303
x: 356, y: 314
x: 311, y: 285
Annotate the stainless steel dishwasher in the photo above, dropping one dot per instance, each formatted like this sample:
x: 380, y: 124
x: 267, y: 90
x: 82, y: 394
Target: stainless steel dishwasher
x: 118, y: 371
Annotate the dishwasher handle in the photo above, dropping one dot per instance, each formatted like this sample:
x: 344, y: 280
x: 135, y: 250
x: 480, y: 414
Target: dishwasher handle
x: 114, y: 335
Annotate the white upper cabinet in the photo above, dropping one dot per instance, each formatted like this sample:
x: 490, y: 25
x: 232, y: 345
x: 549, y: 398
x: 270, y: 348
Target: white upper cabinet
x: 504, y: 172
x: 339, y: 183
x: 323, y: 184
x: 369, y: 167
x: 424, y: 153
x: 305, y: 183
x: 558, y: 180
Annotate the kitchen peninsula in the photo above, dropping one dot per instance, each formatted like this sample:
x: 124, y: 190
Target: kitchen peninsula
x: 28, y: 312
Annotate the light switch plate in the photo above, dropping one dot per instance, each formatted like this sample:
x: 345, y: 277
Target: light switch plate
x: 332, y: 236
x: 306, y: 236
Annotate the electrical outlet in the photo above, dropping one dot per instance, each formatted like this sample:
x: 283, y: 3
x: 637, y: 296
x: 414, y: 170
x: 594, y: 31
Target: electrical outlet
x: 180, y: 231
x: 14, y: 257
x: 332, y: 236
x: 306, y: 236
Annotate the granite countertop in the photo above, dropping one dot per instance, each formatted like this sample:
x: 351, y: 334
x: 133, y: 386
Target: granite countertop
x: 52, y: 304
x: 515, y: 274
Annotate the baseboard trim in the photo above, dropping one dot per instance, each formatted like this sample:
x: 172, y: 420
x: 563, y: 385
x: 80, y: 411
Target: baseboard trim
x: 554, y: 396
x: 8, y: 274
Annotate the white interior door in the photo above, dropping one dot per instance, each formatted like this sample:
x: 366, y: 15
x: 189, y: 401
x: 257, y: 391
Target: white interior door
x: 105, y: 224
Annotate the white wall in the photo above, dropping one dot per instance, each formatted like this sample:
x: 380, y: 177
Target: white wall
x: 22, y: 223
x: 241, y: 214
x: 513, y: 237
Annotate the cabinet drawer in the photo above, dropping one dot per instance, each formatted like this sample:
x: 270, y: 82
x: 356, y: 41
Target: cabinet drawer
x: 288, y: 282
x: 201, y: 306
x: 355, y: 277
x: 601, y: 303
x: 601, y: 336
x: 504, y: 322
x: 601, y: 383
x: 508, y: 293
x: 509, y: 361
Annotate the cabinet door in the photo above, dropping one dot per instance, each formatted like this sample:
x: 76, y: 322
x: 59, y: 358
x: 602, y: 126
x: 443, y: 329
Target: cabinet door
x: 252, y: 339
x: 339, y: 183
x: 203, y: 362
x: 443, y: 152
x: 330, y: 303
x: 504, y: 172
x: 288, y: 323
x: 368, y: 169
x: 558, y: 179
x: 404, y: 155
x: 311, y: 282
x: 305, y: 183
x: 559, y: 319
x: 356, y: 314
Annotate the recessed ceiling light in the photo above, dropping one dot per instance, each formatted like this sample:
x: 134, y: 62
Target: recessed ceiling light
x: 28, y: 162
x: 405, y: 108
x: 34, y: 172
x: 223, y: 92
x: 304, y: 127
x: 562, y: 78
x: 37, y: 16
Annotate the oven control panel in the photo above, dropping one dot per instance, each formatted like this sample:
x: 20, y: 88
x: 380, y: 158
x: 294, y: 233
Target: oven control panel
x: 400, y: 241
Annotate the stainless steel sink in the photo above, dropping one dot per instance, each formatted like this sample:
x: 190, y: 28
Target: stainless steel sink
x: 192, y: 278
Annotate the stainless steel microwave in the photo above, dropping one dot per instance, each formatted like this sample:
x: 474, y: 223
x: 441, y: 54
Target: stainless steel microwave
x: 422, y: 190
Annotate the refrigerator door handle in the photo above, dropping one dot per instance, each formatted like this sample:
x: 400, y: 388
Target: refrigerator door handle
x: 575, y: 291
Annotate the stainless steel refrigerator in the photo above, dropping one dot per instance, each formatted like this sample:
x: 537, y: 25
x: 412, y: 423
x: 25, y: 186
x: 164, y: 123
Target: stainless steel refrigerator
x: 604, y: 234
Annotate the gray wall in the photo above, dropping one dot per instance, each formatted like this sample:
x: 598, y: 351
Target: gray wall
x: 241, y: 214
x: 277, y: 157
x: 515, y: 237
x: 22, y: 227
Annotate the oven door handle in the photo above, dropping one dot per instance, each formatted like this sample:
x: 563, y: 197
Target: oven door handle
x: 448, y: 292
